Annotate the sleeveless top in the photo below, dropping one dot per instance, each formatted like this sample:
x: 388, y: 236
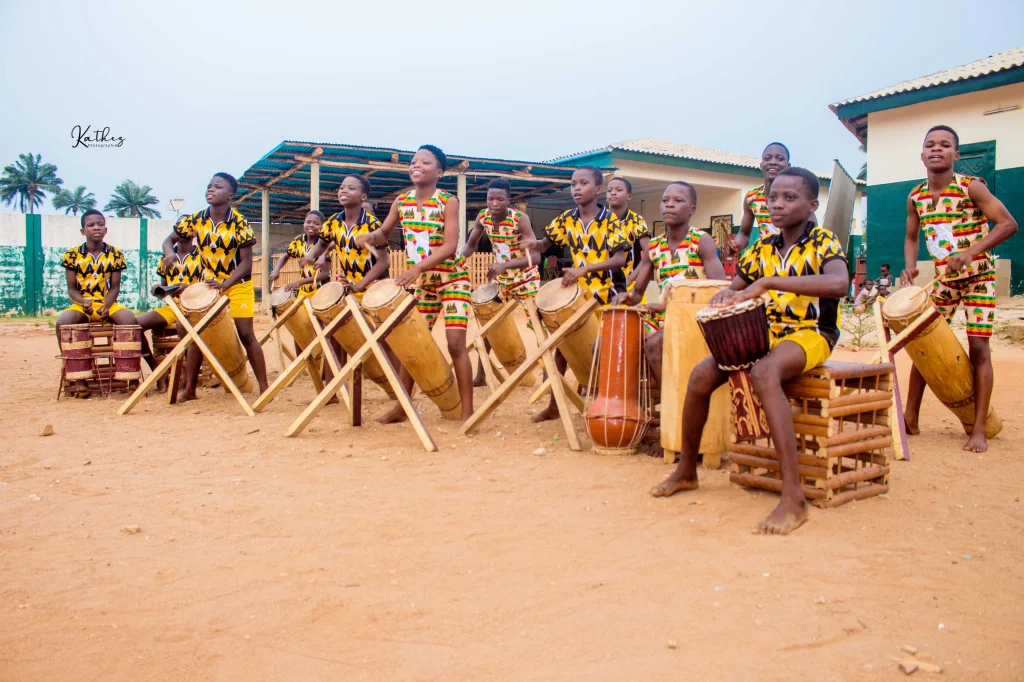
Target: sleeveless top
x: 423, y: 229
x: 506, y: 240
x: 758, y: 204
x: 684, y: 263
x: 951, y: 223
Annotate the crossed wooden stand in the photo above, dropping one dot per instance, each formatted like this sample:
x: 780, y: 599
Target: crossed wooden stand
x: 171, y: 365
x: 493, y: 372
x: 283, y: 351
x: 564, y: 393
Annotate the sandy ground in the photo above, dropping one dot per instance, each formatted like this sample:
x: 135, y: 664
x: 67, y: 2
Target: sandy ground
x: 353, y: 554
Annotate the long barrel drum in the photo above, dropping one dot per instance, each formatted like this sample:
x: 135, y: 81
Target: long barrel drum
x: 939, y: 356
x: 298, y: 325
x: 219, y: 335
x: 504, y: 338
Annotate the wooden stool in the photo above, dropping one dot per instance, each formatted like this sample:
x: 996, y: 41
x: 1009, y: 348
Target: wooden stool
x: 841, y: 416
x: 103, y: 380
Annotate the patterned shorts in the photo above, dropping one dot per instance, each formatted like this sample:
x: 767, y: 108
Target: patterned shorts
x: 977, y: 293
x: 449, y: 290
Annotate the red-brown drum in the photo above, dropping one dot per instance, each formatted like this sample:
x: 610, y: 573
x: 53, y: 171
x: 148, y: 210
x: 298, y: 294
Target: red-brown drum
x: 619, y: 409
x: 76, y: 351
x: 127, y: 352
x: 737, y: 336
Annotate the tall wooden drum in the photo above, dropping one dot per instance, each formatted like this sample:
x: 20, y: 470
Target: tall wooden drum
x: 415, y: 348
x: 939, y: 357
x: 328, y: 302
x: 298, y: 325
x: 219, y: 335
x: 619, y: 405
x: 505, y: 340
x: 76, y: 351
x: 683, y: 347
x: 556, y: 304
x: 127, y: 344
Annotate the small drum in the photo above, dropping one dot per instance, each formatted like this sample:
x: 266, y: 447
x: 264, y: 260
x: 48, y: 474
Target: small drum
x: 299, y: 326
x: 328, y: 302
x: 415, y: 348
x: 556, y: 304
x: 219, y: 334
x: 738, y: 337
x: 939, y: 356
x: 127, y: 352
x: 76, y: 351
x: 504, y: 338
x: 619, y: 402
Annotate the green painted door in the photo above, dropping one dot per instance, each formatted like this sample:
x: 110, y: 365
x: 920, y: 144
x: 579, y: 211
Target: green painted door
x: 978, y: 159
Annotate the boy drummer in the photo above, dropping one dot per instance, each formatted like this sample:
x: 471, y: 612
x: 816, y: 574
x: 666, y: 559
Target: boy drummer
x: 803, y: 270
x: 597, y: 244
x: 299, y: 248
x: 506, y: 229
x: 774, y: 160
x: 954, y: 211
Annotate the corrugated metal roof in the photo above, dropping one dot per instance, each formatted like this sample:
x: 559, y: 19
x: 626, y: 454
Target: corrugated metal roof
x: 1010, y: 59
x: 679, y: 150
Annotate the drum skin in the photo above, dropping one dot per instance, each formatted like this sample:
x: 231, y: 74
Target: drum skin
x: 939, y: 356
x: 220, y: 335
x: 556, y: 304
x: 415, y: 348
x: 618, y: 417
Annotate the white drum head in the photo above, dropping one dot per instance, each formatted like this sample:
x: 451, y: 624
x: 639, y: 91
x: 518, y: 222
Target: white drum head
x: 381, y: 293
x: 198, y: 296
x: 553, y: 297
x: 327, y: 295
x: 279, y: 297
x: 904, y: 302
x: 485, y: 293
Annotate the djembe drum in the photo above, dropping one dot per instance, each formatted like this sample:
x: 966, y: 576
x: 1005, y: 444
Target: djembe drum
x: 298, y: 324
x: 737, y: 336
x: 76, y: 351
x: 939, y: 356
x: 619, y: 404
x: 412, y: 343
x: 556, y: 304
x: 127, y: 344
x: 328, y: 302
x: 504, y: 338
x: 219, y: 334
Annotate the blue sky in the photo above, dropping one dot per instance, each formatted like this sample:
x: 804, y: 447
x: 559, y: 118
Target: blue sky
x: 199, y: 87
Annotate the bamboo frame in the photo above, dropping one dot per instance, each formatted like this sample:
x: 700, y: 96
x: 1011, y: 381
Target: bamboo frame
x: 191, y: 336
x: 887, y: 351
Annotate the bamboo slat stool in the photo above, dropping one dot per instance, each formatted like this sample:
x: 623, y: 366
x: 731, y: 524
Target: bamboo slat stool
x: 842, y: 419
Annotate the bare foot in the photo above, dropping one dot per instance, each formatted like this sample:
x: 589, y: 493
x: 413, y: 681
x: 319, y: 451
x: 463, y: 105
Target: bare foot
x: 911, y: 426
x: 655, y: 450
x: 547, y: 414
x: 263, y: 388
x: 479, y: 380
x: 977, y: 442
x: 333, y: 400
x: 790, y: 514
x: 186, y: 395
x: 393, y: 416
x: 679, y: 481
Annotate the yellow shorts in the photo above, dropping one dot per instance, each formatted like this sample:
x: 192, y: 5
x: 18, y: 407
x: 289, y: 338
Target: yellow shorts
x: 168, y: 315
x: 243, y: 300
x: 95, y: 307
x: 815, y: 346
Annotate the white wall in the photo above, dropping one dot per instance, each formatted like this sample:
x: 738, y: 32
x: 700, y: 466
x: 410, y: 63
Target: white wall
x: 895, y: 135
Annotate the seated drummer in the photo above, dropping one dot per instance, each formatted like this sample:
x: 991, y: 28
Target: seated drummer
x: 803, y: 271
x: 506, y: 229
x: 299, y: 248
x: 597, y: 244
x: 93, y: 278
x: 683, y: 252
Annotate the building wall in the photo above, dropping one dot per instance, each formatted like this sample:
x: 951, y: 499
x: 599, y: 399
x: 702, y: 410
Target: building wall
x: 894, y: 167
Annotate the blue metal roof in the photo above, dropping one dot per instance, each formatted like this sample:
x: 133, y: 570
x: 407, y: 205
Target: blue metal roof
x: 289, y: 196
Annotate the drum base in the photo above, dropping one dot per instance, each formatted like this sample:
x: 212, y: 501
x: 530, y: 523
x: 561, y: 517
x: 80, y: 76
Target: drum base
x: 615, y: 451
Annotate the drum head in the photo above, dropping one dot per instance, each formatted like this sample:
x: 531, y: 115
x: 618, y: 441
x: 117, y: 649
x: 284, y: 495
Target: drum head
x: 327, y: 295
x: 381, y: 293
x: 198, y: 296
x: 485, y: 293
x: 710, y: 313
x: 698, y: 283
x: 278, y: 297
x: 553, y: 297
x: 905, y: 301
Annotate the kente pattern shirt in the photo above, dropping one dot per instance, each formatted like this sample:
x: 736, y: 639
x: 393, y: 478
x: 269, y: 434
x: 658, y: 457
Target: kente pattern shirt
x: 952, y: 223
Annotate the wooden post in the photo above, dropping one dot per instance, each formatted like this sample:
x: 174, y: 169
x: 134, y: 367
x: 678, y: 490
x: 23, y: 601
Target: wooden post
x: 265, y: 247
x: 314, y: 186
x: 897, y: 423
x: 461, y: 189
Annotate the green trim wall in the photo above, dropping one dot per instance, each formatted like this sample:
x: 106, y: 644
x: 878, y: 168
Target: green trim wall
x: 887, y: 223
x: 33, y: 264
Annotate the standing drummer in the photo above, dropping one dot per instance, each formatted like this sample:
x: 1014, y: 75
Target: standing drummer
x: 596, y: 242
x: 517, y: 275
x: 803, y: 270
x: 953, y: 211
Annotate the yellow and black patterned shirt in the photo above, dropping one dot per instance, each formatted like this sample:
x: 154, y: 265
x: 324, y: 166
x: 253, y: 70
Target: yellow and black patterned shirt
x: 300, y: 248
x: 355, y: 262
x: 788, y: 312
x: 93, y: 274
x: 593, y: 243
x: 187, y: 270
x: 218, y: 244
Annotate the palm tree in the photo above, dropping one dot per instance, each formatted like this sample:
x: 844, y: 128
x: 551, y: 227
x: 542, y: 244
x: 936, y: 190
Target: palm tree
x: 131, y: 201
x: 862, y: 174
x: 28, y: 179
x: 74, y: 201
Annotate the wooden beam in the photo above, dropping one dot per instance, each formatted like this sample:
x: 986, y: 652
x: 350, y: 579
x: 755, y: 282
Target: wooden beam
x: 402, y: 168
x: 265, y: 250
x: 314, y: 183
